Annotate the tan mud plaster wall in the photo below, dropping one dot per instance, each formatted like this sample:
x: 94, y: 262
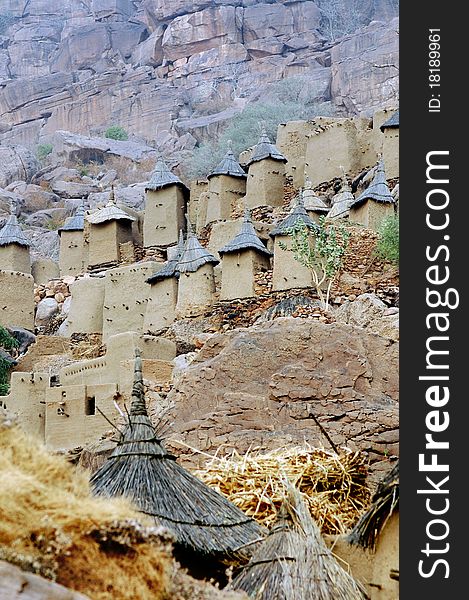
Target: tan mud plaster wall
x: 164, y: 216
x: 202, y: 211
x: 86, y: 308
x: 72, y: 419
x: 125, y: 298
x: 195, y: 292
x: 292, y: 140
x: 71, y: 253
x: 372, y: 569
x: 223, y: 195
x: 161, y: 306
x: 17, y: 299
x: 120, y: 348
x: 347, y: 143
x: 197, y: 187
x: 288, y: 273
x: 265, y: 183
x: 105, y: 239
x: 44, y: 270
x: 27, y: 400
x: 237, y: 274
x: 14, y: 257
x: 371, y: 214
x: 391, y: 152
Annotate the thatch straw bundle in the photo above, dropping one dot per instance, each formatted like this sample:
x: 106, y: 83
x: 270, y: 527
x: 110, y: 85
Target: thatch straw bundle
x: 50, y: 525
x: 333, y: 486
x: 294, y: 563
x: 141, y: 469
x: 384, y: 502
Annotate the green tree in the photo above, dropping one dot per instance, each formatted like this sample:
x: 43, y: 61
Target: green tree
x: 388, y: 240
x: 323, y: 255
x: 116, y: 133
x: 43, y: 150
x: 7, y: 342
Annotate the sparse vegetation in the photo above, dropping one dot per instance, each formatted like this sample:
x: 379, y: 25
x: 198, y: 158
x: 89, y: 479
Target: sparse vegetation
x: 7, y: 342
x: 43, y: 151
x: 388, y: 241
x: 287, y: 100
x: 116, y: 132
x: 324, y: 256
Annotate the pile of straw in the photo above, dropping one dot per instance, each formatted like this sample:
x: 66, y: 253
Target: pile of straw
x: 50, y: 525
x: 333, y: 486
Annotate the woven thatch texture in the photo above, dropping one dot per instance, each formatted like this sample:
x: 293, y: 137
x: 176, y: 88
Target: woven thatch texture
x: 384, y: 502
x: 141, y: 469
x: 50, y: 525
x: 333, y: 486
x: 294, y: 563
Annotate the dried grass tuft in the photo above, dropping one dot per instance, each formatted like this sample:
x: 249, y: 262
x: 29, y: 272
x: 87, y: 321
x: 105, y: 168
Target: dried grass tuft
x: 50, y: 525
x: 333, y: 486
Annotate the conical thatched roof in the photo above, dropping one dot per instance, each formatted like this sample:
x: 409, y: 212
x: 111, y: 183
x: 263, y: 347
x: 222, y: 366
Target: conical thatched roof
x: 294, y: 563
x: 171, y: 267
x: 141, y: 469
x: 11, y: 233
x: 194, y: 254
x: 311, y: 201
x: 384, y: 502
x: 265, y: 149
x: 110, y: 212
x: 246, y: 239
x: 297, y: 214
x: 342, y: 201
x: 162, y: 177
x: 75, y: 223
x: 228, y: 166
x: 378, y: 190
x: 393, y: 121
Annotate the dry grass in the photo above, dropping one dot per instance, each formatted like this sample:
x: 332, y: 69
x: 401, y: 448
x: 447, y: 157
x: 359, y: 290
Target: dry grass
x: 333, y: 485
x: 51, y: 526
x: 85, y: 346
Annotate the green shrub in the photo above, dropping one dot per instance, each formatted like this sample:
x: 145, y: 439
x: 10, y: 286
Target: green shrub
x: 388, y: 240
x: 245, y: 128
x: 7, y: 342
x: 43, y: 150
x: 116, y: 133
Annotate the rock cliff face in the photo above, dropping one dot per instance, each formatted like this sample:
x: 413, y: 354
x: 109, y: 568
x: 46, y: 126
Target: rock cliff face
x: 148, y: 65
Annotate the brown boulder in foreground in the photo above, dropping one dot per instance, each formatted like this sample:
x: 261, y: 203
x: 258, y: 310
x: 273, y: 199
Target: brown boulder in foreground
x: 258, y: 387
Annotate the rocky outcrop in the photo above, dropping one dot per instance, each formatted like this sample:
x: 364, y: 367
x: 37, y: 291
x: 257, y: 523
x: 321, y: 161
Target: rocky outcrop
x: 368, y: 311
x: 16, y: 163
x: 148, y: 64
x: 263, y: 387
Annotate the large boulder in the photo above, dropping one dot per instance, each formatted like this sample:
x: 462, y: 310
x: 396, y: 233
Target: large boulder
x: 16, y: 162
x: 369, y: 311
x: 264, y: 386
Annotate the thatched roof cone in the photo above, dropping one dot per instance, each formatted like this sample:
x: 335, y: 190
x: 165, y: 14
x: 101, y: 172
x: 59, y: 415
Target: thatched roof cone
x: 11, y: 233
x: 393, y: 121
x: 342, y: 201
x: 75, y: 223
x: 378, y: 189
x: 311, y: 201
x: 265, y: 149
x: 297, y: 214
x: 162, y: 177
x: 228, y: 166
x: 294, y: 563
x: 110, y: 212
x: 194, y: 254
x: 246, y: 239
x: 383, y: 504
x: 171, y: 267
x: 141, y: 469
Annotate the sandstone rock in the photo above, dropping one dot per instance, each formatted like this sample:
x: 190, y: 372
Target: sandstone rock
x: 16, y: 162
x: 36, y: 198
x: 52, y: 217
x: 200, y: 31
x: 266, y: 20
x: 258, y: 387
x: 71, y: 189
x: 46, y: 310
x: 368, y: 311
x: 9, y: 199
x: 103, y: 9
x: 150, y: 52
x: 18, y: 584
x: 44, y: 243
